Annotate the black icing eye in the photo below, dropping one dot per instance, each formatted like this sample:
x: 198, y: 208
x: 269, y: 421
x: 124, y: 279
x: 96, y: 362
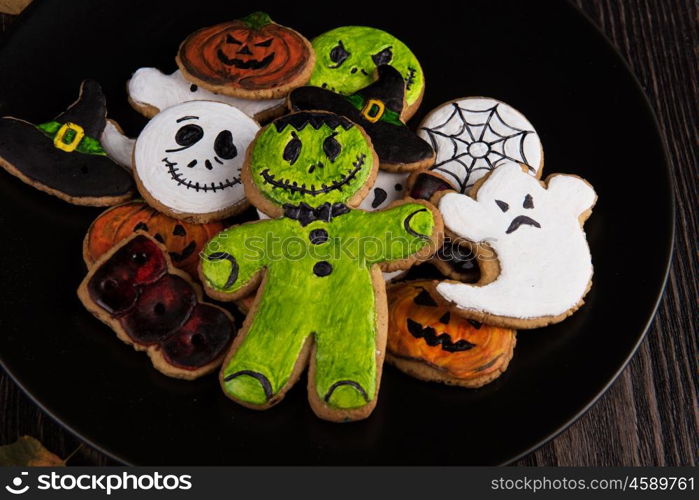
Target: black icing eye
x: 528, y: 202
x: 503, y: 206
x: 338, y: 54
x: 266, y: 43
x: 224, y: 147
x: 188, y: 135
x: 383, y: 57
x: 331, y: 147
x: 292, y: 149
x: 231, y: 39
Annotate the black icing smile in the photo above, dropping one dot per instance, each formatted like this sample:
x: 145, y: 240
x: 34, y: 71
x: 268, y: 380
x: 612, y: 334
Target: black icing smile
x: 249, y: 64
x: 519, y: 221
x: 432, y: 339
x: 293, y: 186
x: 183, y: 181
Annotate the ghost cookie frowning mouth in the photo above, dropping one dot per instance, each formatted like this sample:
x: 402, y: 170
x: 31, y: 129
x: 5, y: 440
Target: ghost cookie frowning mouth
x: 188, y: 159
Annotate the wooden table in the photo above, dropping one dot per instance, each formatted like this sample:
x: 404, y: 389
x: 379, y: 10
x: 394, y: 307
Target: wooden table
x: 650, y: 415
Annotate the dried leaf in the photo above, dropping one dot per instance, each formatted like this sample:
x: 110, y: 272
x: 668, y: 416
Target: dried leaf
x: 28, y: 452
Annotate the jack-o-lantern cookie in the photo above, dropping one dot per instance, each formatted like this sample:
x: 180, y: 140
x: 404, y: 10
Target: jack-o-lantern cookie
x: 151, y: 91
x: 187, y: 160
x: 474, y: 135
x: 347, y: 58
x: 427, y: 341
x: 182, y: 239
x: 309, y: 170
x: 531, y: 247
x: 64, y: 157
x: 377, y: 108
x: 156, y: 308
x: 252, y: 57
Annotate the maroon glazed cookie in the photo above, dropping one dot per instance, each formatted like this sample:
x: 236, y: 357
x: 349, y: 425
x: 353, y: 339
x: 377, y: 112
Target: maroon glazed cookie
x: 114, y: 285
x: 162, y: 307
x: 155, y: 307
x: 201, y: 339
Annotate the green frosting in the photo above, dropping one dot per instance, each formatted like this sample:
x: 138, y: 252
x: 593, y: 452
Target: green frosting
x: 338, y: 310
x: 257, y: 20
x: 346, y: 60
x: 87, y: 145
x: 331, y: 161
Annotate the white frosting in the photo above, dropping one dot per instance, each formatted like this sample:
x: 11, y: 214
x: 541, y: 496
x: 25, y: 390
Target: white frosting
x: 151, y: 87
x: 393, y: 185
x: 201, y: 177
x: 117, y: 146
x: 474, y: 135
x: 544, y: 271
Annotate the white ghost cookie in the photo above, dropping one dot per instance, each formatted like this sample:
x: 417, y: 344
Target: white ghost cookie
x: 151, y: 91
x: 118, y: 146
x: 187, y: 160
x: 473, y: 135
x: 542, y: 264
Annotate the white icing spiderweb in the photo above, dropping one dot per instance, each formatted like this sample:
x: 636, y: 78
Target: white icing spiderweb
x: 471, y: 142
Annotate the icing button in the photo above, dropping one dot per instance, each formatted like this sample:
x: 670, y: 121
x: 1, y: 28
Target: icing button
x: 322, y: 268
x: 318, y: 236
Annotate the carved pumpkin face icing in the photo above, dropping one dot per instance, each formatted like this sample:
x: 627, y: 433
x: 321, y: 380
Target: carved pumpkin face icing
x: 427, y: 341
x: 183, y: 240
x: 246, y: 57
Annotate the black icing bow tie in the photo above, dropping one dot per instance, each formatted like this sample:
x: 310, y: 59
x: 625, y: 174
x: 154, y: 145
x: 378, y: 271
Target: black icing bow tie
x: 306, y: 214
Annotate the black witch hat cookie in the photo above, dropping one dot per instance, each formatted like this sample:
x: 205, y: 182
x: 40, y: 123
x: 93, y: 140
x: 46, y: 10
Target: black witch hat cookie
x: 377, y: 108
x: 64, y: 157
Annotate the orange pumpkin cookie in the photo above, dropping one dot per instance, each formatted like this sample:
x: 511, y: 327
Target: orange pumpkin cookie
x: 252, y: 57
x: 428, y: 342
x: 183, y: 240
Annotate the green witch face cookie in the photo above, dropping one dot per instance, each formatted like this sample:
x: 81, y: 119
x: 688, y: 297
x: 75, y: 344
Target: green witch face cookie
x: 347, y: 58
x: 322, y: 300
x: 314, y: 158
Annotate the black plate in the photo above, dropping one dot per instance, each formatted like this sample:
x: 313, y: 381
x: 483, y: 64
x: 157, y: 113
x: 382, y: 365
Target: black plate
x: 542, y: 57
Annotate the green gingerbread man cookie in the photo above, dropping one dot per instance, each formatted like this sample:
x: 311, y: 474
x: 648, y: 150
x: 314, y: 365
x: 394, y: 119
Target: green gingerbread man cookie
x: 347, y: 58
x: 322, y: 299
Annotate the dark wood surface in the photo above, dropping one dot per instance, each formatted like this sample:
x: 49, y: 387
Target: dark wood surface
x: 650, y: 415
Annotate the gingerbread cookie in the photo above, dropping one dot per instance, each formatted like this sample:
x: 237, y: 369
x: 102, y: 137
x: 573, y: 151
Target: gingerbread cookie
x: 541, y: 266
x: 377, y: 108
x: 183, y: 240
x: 64, y: 157
x: 252, y: 58
x: 151, y: 91
x: 154, y: 307
x: 317, y: 304
x: 187, y: 160
x: 473, y: 135
x: 347, y: 57
x: 427, y: 341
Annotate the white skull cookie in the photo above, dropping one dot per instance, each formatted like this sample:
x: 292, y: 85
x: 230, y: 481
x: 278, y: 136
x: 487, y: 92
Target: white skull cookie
x: 541, y: 253
x: 187, y: 160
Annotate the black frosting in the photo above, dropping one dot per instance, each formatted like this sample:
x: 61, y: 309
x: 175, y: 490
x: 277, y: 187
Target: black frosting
x: 394, y: 144
x: 89, y: 111
x: 78, y: 175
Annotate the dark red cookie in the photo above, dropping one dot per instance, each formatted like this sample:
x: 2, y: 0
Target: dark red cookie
x: 201, y: 339
x: 114, y: 285
x: 162, y: 307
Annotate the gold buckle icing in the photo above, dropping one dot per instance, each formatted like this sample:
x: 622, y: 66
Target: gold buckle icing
x: 68, y: 147
x: 369, y: 106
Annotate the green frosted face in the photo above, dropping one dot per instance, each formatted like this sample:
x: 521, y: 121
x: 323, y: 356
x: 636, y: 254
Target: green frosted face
x: 312, y: 158
x: 346, y: 60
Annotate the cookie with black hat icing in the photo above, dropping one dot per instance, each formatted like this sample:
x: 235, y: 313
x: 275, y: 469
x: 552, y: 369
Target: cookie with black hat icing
x: 377, y: 108
x: 64, y: 157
